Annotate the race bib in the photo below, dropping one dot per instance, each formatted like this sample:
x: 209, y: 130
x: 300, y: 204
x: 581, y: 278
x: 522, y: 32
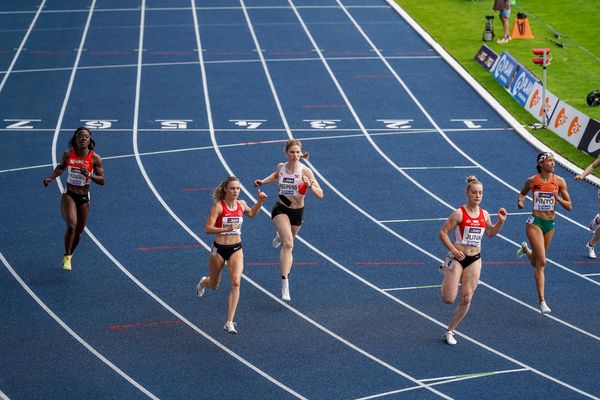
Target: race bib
x: 543, y: 201
x: 472, y: 236
x: 228, y: 221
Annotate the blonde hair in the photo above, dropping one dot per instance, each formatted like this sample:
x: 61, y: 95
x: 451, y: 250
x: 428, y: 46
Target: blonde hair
x: 472, y: 180
x: 296, y: 142
x: 219, y: 192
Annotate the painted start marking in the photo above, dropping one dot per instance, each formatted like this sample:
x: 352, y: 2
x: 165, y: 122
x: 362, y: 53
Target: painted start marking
x: 144, y: 325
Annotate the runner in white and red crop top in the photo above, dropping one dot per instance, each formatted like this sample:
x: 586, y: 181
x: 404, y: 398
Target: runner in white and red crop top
x: 83, y: 165
x: 463, y: 262
x: 294, y: 180
x: 225, y: 221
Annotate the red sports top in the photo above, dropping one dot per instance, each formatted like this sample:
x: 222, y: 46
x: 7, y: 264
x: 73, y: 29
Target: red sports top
x: 470, y: 230
x: 74, y: 167
x: 228, y: 217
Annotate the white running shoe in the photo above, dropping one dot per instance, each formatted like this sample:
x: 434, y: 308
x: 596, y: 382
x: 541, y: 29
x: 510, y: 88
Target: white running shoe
x: 544, y: 308
x: 594, y: 224
x: 200, y: 287
x: 524, y: 249
x: 285, y: 290
x: 230, y: 327
x: 276, y: 241
x: 591, y: 251
x: 449, y: 338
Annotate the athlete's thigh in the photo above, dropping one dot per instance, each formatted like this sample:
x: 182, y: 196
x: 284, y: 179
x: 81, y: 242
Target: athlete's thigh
x: 235, y: 265
x: 470, y: 276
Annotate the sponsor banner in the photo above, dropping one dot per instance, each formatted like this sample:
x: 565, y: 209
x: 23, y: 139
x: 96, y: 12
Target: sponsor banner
x: 486, y: 57
x: 505, y: 69
x: 522, y: 85
x: 534, y: 103
x: 590, y: 141
x: 568, y: 123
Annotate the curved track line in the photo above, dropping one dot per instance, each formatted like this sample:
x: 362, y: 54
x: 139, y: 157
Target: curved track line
x: 443, y: 135
x: 71, y: 331
x: 485, y: 94
x: 364, y: 213
x: 107, y: 253
x: 143, y: 171
x: 18, y: 53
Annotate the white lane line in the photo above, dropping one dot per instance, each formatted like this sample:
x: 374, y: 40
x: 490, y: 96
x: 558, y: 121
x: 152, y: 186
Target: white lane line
x: 249, y: 61
x: 72, y: 332
x: 445, y: 380
x: 54, y: 158
x: 151, y: 186
x: 446, y: 138
x: 358, y: 121
x: 18, y: 53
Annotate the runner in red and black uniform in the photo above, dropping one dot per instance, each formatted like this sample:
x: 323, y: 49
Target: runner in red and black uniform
x: 463, y: 262
x: 83, y: 165
x: 547, y: 189
x: 294, y: 180
x: 225, y: 222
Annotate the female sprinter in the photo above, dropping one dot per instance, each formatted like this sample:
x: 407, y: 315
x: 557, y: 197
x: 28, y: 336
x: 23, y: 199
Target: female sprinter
x: 294, y: 181
x: 83, y: 165
x: 225, y: 222
x: 547, y: 189
x: 463, y: 262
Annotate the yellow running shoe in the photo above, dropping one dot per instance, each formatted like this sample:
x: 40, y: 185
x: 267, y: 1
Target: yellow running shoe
x: 66, y: 264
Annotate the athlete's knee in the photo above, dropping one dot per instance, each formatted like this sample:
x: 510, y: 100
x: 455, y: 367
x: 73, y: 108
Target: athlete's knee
x: 287, y: 244
x: 448, y: 298
x: 465, y: 298
x: 235, y: 283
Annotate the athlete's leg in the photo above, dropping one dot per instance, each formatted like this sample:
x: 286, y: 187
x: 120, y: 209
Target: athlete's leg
x: 82, y: 217
x: 68, y: 209
x: 215, y: 267
x: 539, y: 243
x: 235, y: 265
x: 449, y: 288
x: 469, y: 281
x: 286, y: 235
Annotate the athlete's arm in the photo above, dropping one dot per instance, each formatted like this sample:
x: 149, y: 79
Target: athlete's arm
x: 58, y: 170
x: 523, y: 192
x: 251, y: 212
x: 273, y: 177
x: 210, y: 227
x: 493, y: 229
x: 451, y: 223
x: 564, y: 199
x: 98, y: 175
x: 309, y: 177
x: 595, y: 164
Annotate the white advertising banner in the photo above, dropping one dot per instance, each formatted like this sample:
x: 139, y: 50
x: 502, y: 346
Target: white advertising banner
x: 534, y: 103
x: 568, y: 123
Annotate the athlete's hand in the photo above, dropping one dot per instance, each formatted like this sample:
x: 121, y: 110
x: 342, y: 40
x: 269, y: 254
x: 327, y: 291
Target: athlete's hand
x: 458, y: 255
x: 258, y: 182
x: 520, y: 204
x: 47, y: 181
x: 502, y: 214
x: 578, y: 177
x: 262, y: 196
